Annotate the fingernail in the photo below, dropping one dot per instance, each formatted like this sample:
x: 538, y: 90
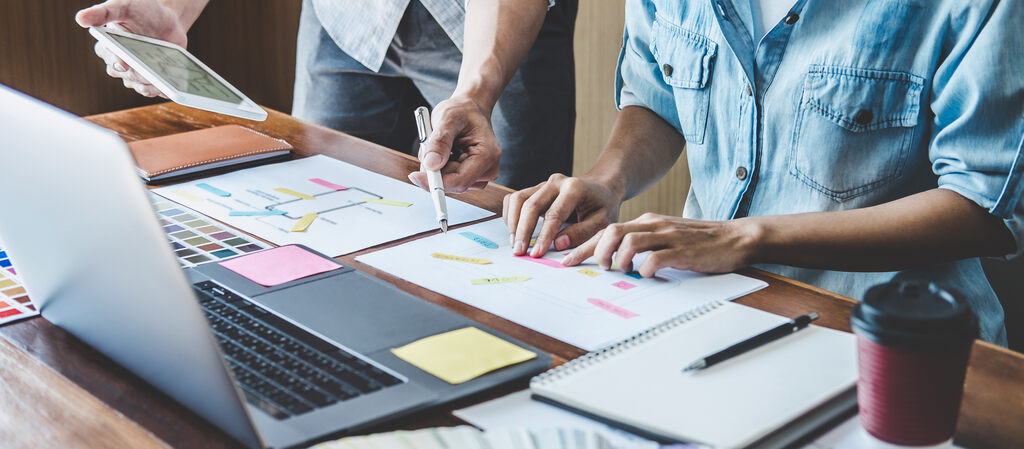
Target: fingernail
x: 518, y: 247
x: 120, y: 67
x: 511, y: 239
x: 567, y: 260
x: 562, y: 242
x: 432, y: 160
x: 412, y: 179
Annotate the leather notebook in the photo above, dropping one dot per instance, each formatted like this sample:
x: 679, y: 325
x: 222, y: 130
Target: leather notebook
x: 188, y: 154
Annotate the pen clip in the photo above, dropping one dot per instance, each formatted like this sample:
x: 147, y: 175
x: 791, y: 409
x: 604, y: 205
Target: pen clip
x: 422, y: 115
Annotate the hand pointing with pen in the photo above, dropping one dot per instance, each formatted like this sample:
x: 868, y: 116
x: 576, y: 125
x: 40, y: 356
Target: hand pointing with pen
x: 462, y: 146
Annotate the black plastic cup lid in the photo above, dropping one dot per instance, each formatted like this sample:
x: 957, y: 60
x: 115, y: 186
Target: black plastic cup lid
x: 913, y: 314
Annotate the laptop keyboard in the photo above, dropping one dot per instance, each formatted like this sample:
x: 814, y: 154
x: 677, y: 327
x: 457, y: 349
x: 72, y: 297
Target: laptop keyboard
x: 281, y: 368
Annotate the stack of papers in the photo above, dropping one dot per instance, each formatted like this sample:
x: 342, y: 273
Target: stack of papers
x: 465, y: 437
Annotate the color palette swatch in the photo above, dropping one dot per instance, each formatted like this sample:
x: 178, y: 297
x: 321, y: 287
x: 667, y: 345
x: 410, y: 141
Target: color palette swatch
x: 14, y: 302
x: 196, y: 238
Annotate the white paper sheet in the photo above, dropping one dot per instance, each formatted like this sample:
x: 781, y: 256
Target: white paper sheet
x: 345, y: 223
x: 851, y: 435
x: 517, y: 410
x: 589, y: 309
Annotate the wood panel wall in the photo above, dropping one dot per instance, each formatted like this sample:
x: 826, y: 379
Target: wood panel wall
x: 598, y: 40
x: 44, y: 53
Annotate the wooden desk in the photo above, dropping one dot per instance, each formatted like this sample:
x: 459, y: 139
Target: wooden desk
x: 50, y: 381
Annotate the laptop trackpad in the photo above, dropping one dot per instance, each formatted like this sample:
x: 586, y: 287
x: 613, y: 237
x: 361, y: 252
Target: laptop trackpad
x: 360, y: 312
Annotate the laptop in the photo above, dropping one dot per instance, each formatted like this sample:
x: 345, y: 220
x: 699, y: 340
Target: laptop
x: 271, y: 366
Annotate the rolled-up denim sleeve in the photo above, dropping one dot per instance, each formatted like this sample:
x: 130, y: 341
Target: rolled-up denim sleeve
x: 638, y: 79
x: 978, y: 101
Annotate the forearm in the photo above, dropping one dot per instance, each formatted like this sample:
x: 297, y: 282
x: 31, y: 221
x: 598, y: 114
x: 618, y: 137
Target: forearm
x: 641, y: 149
x: 498, y: 35
x: 930, y: 227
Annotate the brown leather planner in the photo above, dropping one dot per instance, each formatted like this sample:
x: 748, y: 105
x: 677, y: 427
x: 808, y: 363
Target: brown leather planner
x: 189, y: 154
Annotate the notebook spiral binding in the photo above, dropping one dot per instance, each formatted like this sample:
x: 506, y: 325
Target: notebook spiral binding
x: 591, y: 358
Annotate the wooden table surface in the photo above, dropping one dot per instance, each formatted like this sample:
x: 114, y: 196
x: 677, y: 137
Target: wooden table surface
x: 65, y: 394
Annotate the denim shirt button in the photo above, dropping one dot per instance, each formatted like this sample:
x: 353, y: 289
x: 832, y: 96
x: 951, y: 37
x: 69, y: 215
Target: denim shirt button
x: 667, y: 68
x: 741, y: 173
x: 792, y: 18
x: 750, y: 91
x: 863, y: 117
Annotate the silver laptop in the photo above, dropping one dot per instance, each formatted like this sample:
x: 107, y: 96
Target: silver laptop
x: 272, y: 367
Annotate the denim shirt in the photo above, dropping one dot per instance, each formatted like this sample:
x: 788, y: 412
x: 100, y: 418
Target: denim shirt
x: 842, y: 105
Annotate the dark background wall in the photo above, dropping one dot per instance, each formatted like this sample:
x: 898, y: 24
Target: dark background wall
x: 45, y: 54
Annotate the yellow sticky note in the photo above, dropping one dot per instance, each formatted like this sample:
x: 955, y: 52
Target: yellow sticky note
x: 461, y: 355
x: 388, y: 202
x: 589, y: 272
x: 188, y: 195
x: 291, y: 192
x: 475, y: 260
x: 304, y: 222
x: 7, y: 283
x: 501, y: 280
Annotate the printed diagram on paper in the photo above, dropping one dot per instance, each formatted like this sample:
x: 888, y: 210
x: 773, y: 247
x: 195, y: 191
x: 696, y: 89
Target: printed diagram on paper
x: 331, y: 206
x: 584, y: 305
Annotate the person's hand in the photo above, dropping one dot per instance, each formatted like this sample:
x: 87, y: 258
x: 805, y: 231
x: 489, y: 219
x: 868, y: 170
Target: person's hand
x: 145, y: 17
x: 703, y: 246
x: 594, y: 204
x: 460, y: 125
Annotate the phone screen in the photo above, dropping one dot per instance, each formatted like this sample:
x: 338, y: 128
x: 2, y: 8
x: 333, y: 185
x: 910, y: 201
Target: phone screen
x: 177, y: 69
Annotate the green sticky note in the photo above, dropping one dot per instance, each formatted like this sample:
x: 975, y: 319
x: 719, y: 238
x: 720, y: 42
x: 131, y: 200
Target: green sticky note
x: 461, y: 355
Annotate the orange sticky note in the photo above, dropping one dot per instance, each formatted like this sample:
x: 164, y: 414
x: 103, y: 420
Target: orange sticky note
x: 276, y: 266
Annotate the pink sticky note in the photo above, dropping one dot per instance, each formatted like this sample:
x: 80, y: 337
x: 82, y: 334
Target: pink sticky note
x: 279, y: 265
x: 611, y: 307
x: 624, y: 285
x: 542, y: 261
x: 328, y: 184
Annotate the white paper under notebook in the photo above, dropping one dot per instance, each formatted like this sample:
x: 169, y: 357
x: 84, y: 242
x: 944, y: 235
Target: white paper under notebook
x: 765, y: 398
x: 584, y: 305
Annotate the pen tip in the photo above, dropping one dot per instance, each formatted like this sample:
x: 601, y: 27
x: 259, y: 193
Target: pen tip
x: 444, y: 226
x: 700, y: 364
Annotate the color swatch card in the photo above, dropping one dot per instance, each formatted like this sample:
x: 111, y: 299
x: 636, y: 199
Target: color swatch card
x: 328, y: 205
x: 14, y: 302
x: 197, y: 239
x: 585, y: 305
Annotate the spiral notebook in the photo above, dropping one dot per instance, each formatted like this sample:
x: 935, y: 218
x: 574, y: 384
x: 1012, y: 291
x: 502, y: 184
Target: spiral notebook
x: 765, y: 398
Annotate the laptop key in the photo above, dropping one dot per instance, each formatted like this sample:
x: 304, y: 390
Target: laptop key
x: 267, y: 407
x: 283, y: 369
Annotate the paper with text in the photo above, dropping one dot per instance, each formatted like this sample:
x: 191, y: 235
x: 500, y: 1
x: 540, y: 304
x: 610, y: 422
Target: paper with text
x: 585, y: 306
x: 355, y: 208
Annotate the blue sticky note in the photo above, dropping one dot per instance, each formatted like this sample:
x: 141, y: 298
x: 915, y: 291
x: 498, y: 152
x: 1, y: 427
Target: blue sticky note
x: 634, y: 275
x: 3, y: 255
x: 483, y: 241
x: 212, y: 189
x: 252, y: 213
x: 5, y: 263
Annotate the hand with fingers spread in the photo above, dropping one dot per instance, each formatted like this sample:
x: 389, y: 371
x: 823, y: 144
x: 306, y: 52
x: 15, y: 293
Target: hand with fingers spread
x: 461, y: 126
x: 703, y: 246
x: 592, y: 203
x: 165, y: 20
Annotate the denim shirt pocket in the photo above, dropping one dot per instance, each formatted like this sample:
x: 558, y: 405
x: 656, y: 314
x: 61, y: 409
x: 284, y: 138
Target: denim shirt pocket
x: 685, y: 59
x: 854, y: 129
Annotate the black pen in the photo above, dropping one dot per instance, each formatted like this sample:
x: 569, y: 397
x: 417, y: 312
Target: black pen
x: 765, y: 337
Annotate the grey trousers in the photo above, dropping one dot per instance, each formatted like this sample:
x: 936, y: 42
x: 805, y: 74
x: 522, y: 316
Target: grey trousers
x: 533, y: 119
